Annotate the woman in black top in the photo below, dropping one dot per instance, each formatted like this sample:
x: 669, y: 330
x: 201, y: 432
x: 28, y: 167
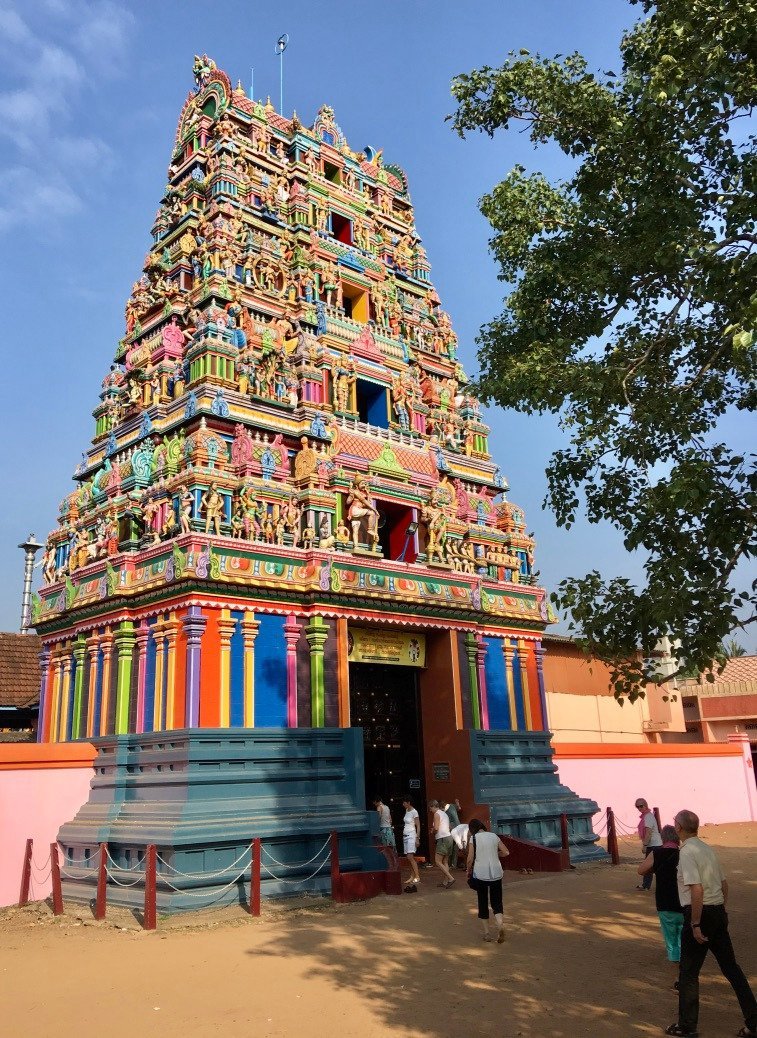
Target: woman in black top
x: 663, y: 862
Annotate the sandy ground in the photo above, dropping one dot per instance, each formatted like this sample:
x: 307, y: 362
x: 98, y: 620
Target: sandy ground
x: 583, y: 956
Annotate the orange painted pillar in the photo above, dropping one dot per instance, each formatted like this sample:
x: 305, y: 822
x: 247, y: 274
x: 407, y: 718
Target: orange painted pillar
x: 210, y: 699
x: 343, y: 672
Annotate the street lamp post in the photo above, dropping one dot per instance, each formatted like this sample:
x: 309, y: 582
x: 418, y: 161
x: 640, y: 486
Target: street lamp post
x: 30, y: 548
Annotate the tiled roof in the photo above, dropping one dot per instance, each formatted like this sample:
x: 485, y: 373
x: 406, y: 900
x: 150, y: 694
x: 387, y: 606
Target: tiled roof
x: 740, y: 668
x: 19, y: 669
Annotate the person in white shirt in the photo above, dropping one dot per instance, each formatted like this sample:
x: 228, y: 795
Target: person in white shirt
x: 649, y: 834
x: 485, y: 875
x: 386, y: 832
x: 703, y: 892
x: 444, y: 842
x: 411, y: 831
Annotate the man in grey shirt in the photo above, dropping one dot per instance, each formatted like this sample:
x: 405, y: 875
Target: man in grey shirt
x: 703, y: 892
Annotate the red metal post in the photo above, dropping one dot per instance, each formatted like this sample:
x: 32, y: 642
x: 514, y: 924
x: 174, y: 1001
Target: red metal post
x: 102, y: 882
x: 656, y: 812
x: 150, y: 914
x: 26, y: 874
x: 255, y: 876
x: 55, y: 876
x: 336, y: 881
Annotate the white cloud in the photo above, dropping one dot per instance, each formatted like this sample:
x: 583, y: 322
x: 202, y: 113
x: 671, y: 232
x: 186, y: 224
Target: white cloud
x: 52, y: 52
x: 35, y: 201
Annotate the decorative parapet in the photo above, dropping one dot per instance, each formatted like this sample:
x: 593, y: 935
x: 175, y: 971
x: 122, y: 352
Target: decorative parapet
x: 280, y: 570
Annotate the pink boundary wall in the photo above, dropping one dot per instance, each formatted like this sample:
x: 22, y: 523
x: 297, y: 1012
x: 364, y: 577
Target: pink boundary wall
x: 714, y: 780
x: 41, y: 787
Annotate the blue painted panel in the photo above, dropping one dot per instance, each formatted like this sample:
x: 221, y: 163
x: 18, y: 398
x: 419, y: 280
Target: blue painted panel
x: 377, y: 414
x: 520, y: 710
x: 496, y: 686
x: 270, y: 673
x: 150, y: 680
x: 237, y: 671
x: 98, y: 693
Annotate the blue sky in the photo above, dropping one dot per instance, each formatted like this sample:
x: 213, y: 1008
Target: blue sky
x: 91, y: 94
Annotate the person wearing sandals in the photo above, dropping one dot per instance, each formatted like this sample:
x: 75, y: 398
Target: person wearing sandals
x: 485, y: 875
x: 663, y: 862
x: 386, y: 832
x: 443, y: 842
x: 703, y: 892
x: 411, y: 831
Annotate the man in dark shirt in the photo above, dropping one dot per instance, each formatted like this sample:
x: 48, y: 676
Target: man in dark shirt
x: 663, y: 862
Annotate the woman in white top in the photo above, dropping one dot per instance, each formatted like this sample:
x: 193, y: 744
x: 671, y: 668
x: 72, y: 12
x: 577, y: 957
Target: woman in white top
x: 411, y: 831
x: 485, y: 875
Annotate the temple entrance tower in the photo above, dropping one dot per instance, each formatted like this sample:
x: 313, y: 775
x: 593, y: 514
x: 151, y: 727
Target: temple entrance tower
x: 286, y: 451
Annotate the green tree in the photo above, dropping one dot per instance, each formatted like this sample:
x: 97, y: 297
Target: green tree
x: 632, y: 313
x: 733, y: 649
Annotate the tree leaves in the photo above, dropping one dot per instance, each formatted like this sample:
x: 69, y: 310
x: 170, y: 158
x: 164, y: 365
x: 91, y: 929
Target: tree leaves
x: 632, y: 313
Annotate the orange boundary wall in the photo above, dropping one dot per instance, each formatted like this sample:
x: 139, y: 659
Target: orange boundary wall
x: 23, y: 756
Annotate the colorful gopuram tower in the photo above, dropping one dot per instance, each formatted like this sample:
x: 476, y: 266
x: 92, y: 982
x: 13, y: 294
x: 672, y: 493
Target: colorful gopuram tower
x: 289, y: 578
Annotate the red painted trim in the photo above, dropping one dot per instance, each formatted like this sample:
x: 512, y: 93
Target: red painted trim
x: 656, y: 751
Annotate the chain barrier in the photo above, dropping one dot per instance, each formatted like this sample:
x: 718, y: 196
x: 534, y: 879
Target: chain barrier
x: 297, y: 865
x: 206, y: 893
x: 303, y: 879
x: 204, y: 875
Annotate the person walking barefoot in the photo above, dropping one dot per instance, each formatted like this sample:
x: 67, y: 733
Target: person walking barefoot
x: 411, y: 831
x: 485, y: 875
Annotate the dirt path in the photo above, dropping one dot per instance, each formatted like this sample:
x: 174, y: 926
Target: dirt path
x: 584, y: 956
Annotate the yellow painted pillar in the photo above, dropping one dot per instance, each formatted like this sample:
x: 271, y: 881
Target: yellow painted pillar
x: 55, y: 712
x: 226, y: 627
x: 171, y: 629
x: 250, y: 628
x: 523, y: 660
x: 159, y: 635
x: 107, y: 647
x: 509, y: 652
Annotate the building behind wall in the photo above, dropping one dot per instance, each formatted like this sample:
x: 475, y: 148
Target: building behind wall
x: 19, y: 686
x: 289, y: 518
x: 581, y: 706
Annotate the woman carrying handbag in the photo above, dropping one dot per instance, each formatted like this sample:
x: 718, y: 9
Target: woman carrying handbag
x: 485, y: 875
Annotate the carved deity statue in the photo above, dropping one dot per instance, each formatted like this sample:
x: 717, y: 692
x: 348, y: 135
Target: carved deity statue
x: 212, y: 504
x: 306, y: 460
x: 361, y: 510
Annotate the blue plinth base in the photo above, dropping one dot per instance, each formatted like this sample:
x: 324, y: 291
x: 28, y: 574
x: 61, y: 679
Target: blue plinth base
x: 513, y: 774
x: 201, y: 796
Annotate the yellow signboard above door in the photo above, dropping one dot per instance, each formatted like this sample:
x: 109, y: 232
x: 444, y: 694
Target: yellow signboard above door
x: 400, y: 648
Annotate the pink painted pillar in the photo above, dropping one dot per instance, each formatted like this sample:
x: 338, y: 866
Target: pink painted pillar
x: 143, y: 633
x: 292, y: 635
x: 746, y: 750
x: 481, y: 650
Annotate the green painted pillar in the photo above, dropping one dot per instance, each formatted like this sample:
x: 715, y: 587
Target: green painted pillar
x: 471, y: 650
x: 80, y: 648
x: 316, y: 633
x: 125, y: 640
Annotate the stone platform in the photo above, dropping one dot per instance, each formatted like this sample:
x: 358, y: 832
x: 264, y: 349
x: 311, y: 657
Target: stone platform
x: 201, y: 796
x: 514, y: 775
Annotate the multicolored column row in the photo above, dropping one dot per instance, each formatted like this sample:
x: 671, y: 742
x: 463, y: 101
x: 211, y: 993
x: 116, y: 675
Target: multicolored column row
x: 509, y: 673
